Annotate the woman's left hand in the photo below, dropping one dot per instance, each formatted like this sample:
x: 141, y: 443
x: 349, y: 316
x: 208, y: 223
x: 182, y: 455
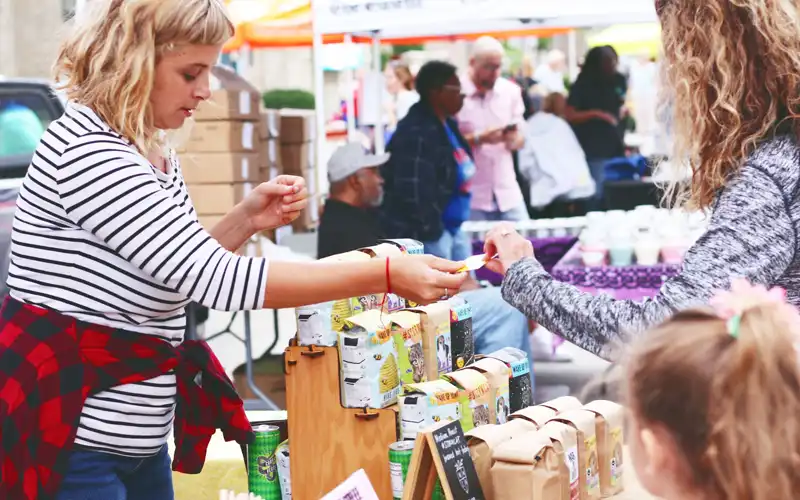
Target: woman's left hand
x: 509, y: 246
x: 275, y: 203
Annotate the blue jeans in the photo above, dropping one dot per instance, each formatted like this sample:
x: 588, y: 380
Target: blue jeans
x: 93, y: 475
x: 597, y: 168
x: 515, y: 214
x: 497, y: 324
x: 455, y: 247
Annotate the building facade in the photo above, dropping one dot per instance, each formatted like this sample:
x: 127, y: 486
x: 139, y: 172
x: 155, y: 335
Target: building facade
x: 30, y: 31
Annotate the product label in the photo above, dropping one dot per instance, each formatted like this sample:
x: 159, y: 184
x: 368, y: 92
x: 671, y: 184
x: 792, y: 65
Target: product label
x: 501, y: 405
x: 616, y: 457
x: 592, y: 470
x: 571, y: 459
x: 462, y: 311
x: 396, y: 470
x: 519, y: 368
x: 245, y: 169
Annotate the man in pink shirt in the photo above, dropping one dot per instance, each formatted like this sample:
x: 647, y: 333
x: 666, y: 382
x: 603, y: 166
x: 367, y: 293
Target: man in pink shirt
x: 491, y: 120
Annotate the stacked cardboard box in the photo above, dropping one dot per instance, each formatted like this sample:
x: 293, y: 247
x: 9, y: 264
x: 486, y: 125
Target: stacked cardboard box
x: 298, y: 157
x: 220, y: 161
x: 269, y: 146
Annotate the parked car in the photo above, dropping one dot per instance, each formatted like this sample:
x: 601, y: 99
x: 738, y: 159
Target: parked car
x: 27, y: 106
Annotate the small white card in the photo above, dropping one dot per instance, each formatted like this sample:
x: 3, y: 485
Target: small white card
x: 356, y: 487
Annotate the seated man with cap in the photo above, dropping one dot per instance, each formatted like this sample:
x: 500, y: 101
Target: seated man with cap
x: 350, y: 221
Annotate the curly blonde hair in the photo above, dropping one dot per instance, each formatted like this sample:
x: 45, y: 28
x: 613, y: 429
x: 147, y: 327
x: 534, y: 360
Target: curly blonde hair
x: 733, y: 67
x: 109, y: 59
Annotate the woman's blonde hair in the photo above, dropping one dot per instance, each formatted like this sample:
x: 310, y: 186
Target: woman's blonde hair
x: 109, y: 59
x: 730, y: 402
x: 733, y: 70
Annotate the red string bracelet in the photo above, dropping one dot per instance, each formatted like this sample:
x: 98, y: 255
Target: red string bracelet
x: 388, y: 278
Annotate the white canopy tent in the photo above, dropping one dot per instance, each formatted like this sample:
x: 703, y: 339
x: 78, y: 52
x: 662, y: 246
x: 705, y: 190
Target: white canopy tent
x: 409, y: 18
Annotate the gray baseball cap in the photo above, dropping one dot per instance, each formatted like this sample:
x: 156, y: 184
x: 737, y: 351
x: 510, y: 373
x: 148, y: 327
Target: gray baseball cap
x: 351, y: 158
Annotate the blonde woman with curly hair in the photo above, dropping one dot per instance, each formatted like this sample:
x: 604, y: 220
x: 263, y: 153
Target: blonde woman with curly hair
x: 733, y: 69
x: 107, y: 251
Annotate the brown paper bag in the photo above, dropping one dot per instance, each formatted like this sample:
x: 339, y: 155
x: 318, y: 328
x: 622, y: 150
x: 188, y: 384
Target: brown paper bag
x: 565, y: 439
x: 436, y: 343
x: 498, y: 374
x: 584, y: 423
x: 520, y: 426
x: 526, y: 468
x: 563, y: 404
x: 482, y: 441
x: 473, y: 395
x: 608, y: 423
x: 537, y: 415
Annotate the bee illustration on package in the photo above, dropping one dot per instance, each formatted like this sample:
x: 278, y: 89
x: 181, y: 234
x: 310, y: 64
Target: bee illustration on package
x: 368, y: 356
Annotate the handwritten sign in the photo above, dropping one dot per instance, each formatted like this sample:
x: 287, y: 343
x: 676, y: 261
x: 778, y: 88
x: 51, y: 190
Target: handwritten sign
x: 442, y: 452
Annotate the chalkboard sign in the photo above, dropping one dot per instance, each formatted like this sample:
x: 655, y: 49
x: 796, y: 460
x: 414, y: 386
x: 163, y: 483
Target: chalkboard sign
x: 442, y: 452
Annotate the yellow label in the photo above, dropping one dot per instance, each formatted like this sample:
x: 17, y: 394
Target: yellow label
x: 460, y: 362
x: 479, y: 391
x: 592, y: 469
x: 616, y: 456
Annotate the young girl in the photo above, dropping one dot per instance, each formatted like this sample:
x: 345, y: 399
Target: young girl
x: 714, y: 398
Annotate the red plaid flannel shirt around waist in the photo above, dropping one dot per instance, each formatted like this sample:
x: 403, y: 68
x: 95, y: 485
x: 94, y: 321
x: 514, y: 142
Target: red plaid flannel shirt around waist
x: 50, y: 363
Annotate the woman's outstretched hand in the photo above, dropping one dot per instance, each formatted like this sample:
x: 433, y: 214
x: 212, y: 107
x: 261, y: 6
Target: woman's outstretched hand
x: 509, y: 246
x: 275, y: 203
x: 424, y: 278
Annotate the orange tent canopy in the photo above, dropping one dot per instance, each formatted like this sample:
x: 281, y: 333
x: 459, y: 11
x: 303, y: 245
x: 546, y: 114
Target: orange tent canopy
x: 287, y: 23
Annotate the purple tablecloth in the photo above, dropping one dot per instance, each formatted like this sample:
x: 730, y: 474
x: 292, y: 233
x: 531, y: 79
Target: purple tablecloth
x: 549, y: 252
x: 633, y: 282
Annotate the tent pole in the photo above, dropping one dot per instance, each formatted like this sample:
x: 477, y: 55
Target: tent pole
x: 376, y: 67
x: 321, y: 169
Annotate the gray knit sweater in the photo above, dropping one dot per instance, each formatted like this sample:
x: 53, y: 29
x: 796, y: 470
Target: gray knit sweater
x: 752, y: 233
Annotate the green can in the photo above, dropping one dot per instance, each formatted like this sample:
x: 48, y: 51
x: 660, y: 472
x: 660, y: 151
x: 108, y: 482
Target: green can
x: 399, y: 458
x: 262, y: 464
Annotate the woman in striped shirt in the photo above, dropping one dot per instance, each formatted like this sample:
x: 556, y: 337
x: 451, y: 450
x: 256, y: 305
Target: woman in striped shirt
x: 105, y: 231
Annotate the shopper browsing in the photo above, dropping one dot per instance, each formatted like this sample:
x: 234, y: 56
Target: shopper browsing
x: 714, y: 397
x: 737, y: 126
x: 107, y: 251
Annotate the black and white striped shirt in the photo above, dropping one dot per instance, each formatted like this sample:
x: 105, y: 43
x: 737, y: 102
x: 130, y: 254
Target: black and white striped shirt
x: 103, y: 236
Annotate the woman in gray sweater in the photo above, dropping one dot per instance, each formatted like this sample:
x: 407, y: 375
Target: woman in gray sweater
x: 733, y: 69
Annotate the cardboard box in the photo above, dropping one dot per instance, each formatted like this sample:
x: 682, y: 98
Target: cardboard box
x: 209, y: 221
x: 220, y: 168
x: 218, y: 199
x: 297, y: 158
x: 309, y: 217
x: 269, y: 124
x: 297, y: 126
x: 526, y: 467
x: 269, y: 153
x: 224, y: 104
x: 222, y: 137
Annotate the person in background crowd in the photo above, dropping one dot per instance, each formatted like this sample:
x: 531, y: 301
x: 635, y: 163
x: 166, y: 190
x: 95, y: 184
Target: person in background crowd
x: 593, y: 110
x: 737, y: 126
x: 429, y: 174
x: 621, y: 86
x: 400, y: 85
x: 350, y: 222
x: 490, y: 120
x: 107, y: 251
x: 713, y: 396
x: 550, y: 74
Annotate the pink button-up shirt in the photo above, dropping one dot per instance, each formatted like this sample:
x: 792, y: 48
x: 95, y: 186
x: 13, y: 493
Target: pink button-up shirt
x: 494, y: 186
